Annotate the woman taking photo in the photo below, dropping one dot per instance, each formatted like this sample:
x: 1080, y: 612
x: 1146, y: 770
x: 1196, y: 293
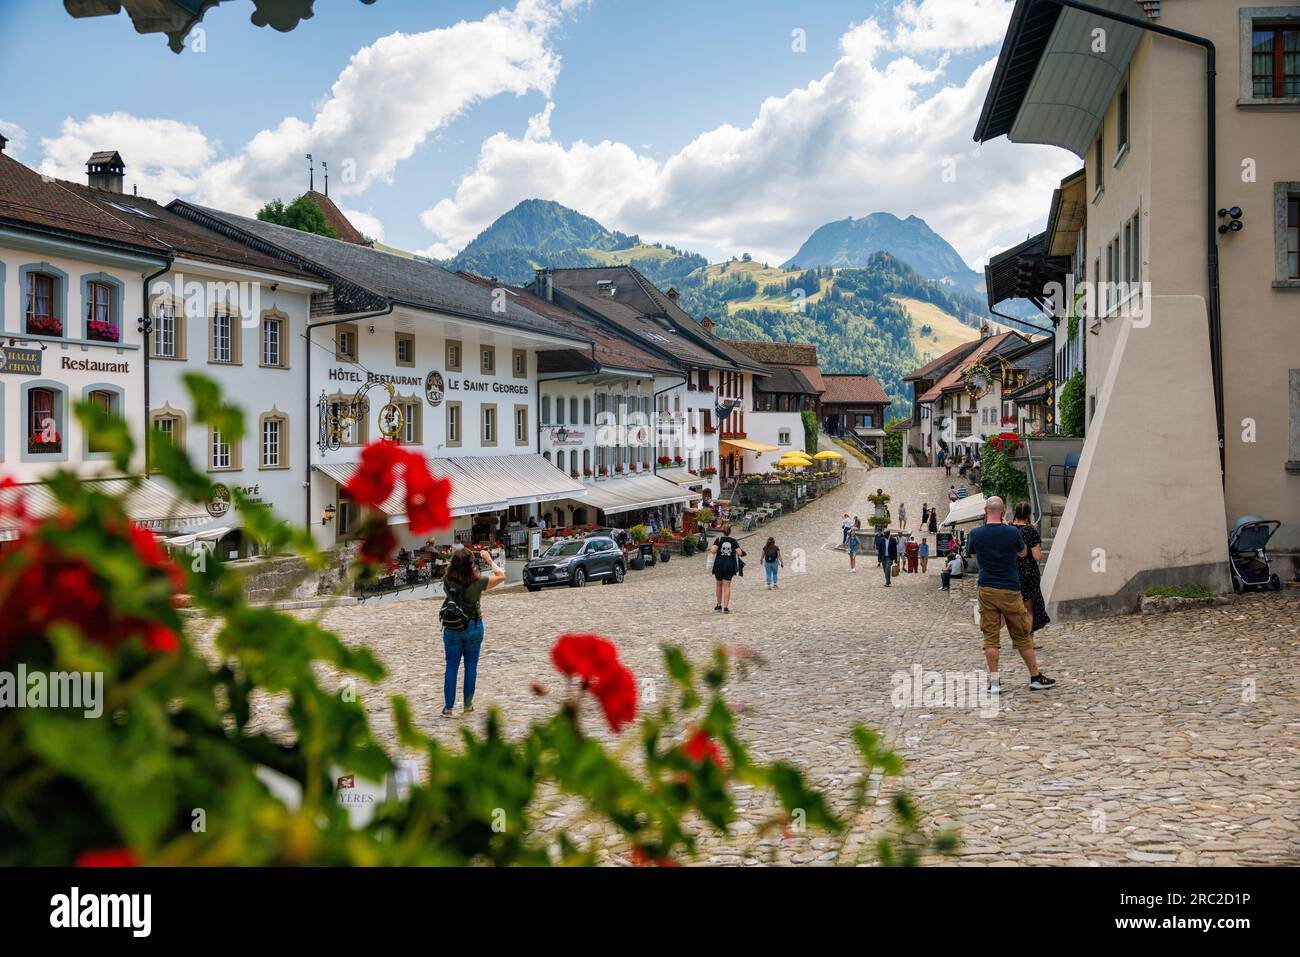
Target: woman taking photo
x: 464, y: 586
x: 1030, y: 587
x: 726, y: 553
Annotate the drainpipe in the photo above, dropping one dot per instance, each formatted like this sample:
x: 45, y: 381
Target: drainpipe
x: 338, y: 320
x: 146, y: 329
x: 654, y: 403
x: 1212, y: 204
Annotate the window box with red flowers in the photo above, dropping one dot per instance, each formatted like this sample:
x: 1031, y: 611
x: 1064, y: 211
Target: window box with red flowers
x: 664, y: 461
x: 573, y: 473
x: 42, y: 443
x: 586, y: 473
x: 604, y: 471
x: 706, y: 388
x: 678, y: 460
x: 618, y: 470
x: 45, y: 325
x: 709, y: 471
x: 102, y: 331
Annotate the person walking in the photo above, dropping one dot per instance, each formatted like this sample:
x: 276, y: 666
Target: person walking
x: 882, y: 545
x: 902, y: 515
x: 891, y: 556
x: 844, y: 527
x: 1031, y: 589
x: 726, y: 553
x: 772, y: 562
x: 465, y: 587
x: 999, y: 548
x: 925, y: 513
x: 853, y: 550
x: 912, y: 551
x: 934, y: 520
x: 947, y: 466
x: 952, y: 493
x: 923, y: 553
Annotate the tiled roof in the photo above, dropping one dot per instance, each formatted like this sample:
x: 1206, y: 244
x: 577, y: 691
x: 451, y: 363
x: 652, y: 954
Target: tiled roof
x: 609, y: 348
x: 952, y: 381
x: 952, y: 355
x: 786, y: 380
x: 343, y: 228
x: 848, y: 389
x: 633, y: 289
x: 417, y: 283
x: 31, y: 200
x: 185, y: 237
x: 777, y: 353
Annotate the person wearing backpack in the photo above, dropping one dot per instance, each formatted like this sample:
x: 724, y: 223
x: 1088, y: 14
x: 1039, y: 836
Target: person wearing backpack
x: 772, y: 561
x: 462, y: 622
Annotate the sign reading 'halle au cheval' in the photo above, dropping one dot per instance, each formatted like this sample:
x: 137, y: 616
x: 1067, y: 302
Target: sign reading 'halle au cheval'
x: 20, y: 361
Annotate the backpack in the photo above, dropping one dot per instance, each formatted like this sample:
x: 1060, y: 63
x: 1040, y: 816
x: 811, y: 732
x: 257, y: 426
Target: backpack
x: 451, y: 614
x: 769, y: 554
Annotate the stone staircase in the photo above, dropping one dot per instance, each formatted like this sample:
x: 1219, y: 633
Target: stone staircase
x: 1051, y: 505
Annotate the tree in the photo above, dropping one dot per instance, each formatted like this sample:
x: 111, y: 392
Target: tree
x: 302, y: 214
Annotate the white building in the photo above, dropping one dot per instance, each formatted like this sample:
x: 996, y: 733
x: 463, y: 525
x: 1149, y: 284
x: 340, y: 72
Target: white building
x: 72, y: 279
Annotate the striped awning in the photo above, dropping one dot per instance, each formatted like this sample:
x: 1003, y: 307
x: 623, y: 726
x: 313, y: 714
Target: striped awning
x: 480, y: 484
x: 629, y: 494
x: 147, y: 503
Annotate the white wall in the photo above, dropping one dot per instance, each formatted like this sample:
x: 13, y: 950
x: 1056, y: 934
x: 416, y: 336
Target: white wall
x: 70, y: 364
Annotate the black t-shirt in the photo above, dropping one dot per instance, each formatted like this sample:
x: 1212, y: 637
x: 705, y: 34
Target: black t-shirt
x: 468, y: 596
x: 728, y: 552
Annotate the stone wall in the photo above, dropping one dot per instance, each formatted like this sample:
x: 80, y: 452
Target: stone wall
x: 285, y: 578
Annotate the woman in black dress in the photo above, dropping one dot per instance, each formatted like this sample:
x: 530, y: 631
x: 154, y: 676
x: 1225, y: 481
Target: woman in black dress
x: 726, y: 563
x: 1030, y: 587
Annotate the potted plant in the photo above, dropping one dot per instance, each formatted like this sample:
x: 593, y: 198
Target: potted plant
x: 688, y: 545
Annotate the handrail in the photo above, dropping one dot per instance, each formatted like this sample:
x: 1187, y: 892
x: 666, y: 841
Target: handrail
x: 1033, y: 488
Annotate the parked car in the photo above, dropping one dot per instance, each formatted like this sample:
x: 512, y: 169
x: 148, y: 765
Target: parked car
x: 575, y: 562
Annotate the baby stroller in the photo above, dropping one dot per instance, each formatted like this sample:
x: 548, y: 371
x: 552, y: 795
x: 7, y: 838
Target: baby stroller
x: 1248, y: 554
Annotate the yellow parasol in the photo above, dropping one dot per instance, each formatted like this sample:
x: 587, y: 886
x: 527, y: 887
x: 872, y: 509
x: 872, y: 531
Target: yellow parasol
x: 828, y: 454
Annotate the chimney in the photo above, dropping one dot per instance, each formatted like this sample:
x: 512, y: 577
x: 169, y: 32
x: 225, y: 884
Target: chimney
x: 544, y: 283
x: 707, y: 324
x: 105, y: 170
x: 4, y: 141
x: 674, y: 295
x: 984, y: 330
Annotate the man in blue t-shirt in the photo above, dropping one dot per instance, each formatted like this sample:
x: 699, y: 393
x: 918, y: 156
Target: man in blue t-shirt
x: 999, y: 548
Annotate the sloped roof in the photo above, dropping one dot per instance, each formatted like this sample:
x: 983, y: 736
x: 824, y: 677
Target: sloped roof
x: 184, y: 236
x: 777, y: 353
x: 608, y: 348
x: 934, y: 365
x: 656, y: 336
x: 28, y: 199
x: 849, y: 389
x: 343, y: 228
x: 952, y: 380
x: 632, y: 288
x: 408, y: 282
x: 785, y: 379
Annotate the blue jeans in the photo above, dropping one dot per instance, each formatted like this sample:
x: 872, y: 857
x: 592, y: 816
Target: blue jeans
x: 461, y: 644
x: 945, y: 578
x: 770, y: 569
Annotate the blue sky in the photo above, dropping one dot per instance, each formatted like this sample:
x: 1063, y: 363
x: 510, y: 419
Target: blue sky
x: 648, y: 116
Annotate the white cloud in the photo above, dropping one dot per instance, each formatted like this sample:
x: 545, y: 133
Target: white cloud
x: 16, y: 135
x: 928, y: 26
x: 872, y: 134
x: 370, y: 225
x: 390, y: 98
x: 164, y: 156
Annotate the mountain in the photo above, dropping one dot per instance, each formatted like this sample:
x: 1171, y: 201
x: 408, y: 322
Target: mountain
x: 851, y: 243
x: 876, y: 312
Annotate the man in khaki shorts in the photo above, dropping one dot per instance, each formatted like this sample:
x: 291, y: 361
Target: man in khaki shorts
x: 999, y: 548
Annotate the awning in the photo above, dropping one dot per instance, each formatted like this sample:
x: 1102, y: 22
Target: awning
x: 213, y: 534
x: 626, y: 495
x: 682, y: 477
x: 966, y: 510
x: 749, y: 445
x: 149, y: 504
x: 481, y: 484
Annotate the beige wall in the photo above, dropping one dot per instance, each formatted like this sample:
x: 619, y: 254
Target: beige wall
x: 1164, y: 175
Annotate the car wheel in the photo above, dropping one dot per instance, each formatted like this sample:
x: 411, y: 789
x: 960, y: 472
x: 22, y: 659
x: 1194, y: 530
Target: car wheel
x: 1276, y: 582
x: 579, y: 577
x: 619, y: 574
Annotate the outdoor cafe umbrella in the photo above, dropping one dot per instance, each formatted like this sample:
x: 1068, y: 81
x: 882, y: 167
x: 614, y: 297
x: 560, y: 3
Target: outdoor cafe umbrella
x: 828, y: 454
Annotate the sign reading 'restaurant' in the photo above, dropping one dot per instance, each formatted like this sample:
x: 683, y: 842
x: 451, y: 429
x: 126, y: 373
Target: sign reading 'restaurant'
x: 90, y: 365
x: 373, y: 378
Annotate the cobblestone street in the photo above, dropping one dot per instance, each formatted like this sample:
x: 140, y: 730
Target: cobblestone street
x: 1170, y: 739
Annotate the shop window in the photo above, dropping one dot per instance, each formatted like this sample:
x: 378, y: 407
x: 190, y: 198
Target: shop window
x: 274, y: 353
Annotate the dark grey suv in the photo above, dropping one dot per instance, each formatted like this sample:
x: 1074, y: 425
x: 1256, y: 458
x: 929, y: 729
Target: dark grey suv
x: 576, y: 561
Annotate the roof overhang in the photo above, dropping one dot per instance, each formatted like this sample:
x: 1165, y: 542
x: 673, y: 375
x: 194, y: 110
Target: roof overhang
x: 1068, y: 215
x: 1023, y: 272
x: 1052, y: 83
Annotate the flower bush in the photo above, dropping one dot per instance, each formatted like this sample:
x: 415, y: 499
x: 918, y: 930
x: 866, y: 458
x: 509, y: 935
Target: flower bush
x: 175, y: 769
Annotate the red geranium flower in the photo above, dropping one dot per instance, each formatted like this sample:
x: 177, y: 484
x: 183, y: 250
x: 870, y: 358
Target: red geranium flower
x: 700, y: 747
x: 110, y: 857
x: 428, y: 499
x: 594, y: 660
x: 376, y: 476
x: 640, y: 857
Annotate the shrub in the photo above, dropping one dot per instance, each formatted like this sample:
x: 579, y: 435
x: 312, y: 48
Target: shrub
x: 1072, y: 406
x: 998, y: 476
x: 1187, y: 590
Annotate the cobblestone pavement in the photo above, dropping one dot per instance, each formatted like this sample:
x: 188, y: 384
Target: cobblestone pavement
x: 1170, y: 739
